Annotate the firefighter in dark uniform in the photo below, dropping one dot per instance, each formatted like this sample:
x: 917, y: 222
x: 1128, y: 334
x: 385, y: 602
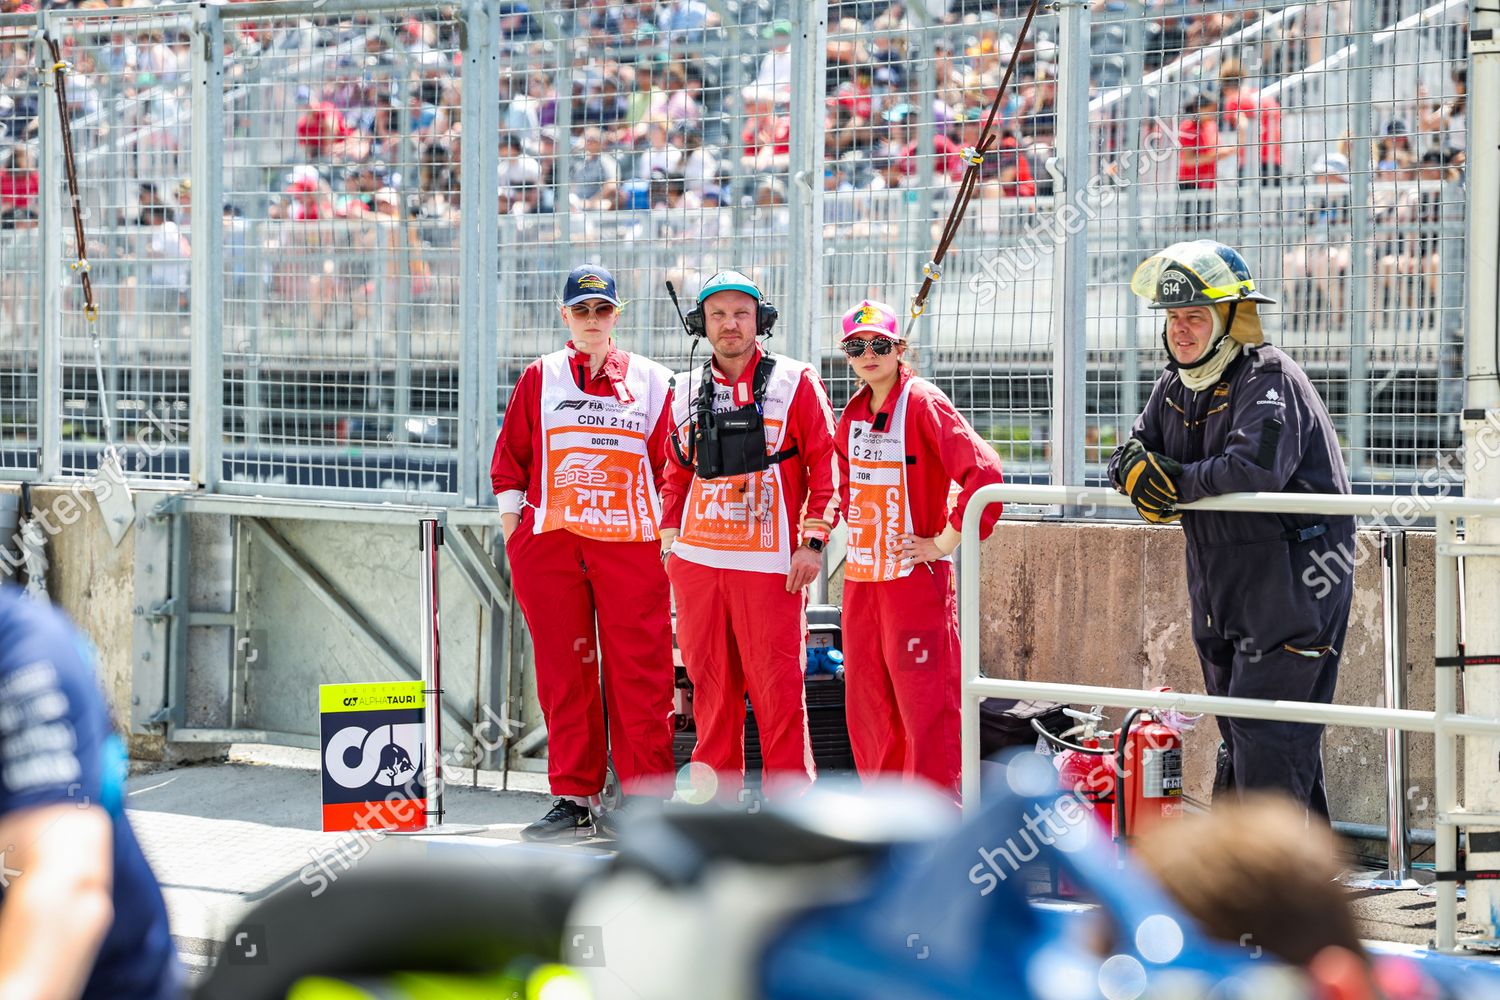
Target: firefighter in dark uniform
x: 1232, y: 414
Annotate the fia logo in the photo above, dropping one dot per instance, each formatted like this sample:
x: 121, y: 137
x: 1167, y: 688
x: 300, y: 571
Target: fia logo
x: 388, y: 755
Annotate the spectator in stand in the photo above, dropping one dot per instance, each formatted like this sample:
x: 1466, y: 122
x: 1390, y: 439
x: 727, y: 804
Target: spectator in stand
x: 595, y: 176
x: 642, y: 81
x: 767, y: 142
x: 516, y: 22
x: 602, y: 103
x: 321, y: 128
x: 1316, y: 273
x: 1037, y: 114
x: 1013, y: 169
x: 857, y: 95
x: 358, y: 196
x: 685, y: 20
x: 659, y: 153
x: 516, y: 170
x: 771, y: 216
x: 312, y: 198
x: 680, y: 104
x: 888, y: 47
x: 955, y: 81
x: 523, y: 115
x: 897, y: 147
x: 1205, y: 29
x: 700, y: 163
x: 1255, y: 118
x: 773, y: 83
x: 18, y: 187
x: 1005, y: 172
x: 1447, y: 120
x: 545, y: 151
x: 185, y: 204
x: 1394, y: 151
x: 948, y: 144
x: 118, y: 57
x: 1198, y: 156
x: 166, y: 274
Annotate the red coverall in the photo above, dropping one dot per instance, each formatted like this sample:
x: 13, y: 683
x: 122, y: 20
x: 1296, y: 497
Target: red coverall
x: 901, y: 655
x: 569, y: 585
x: 738, y: 629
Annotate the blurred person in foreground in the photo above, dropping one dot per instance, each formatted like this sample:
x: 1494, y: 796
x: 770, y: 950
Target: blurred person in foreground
x: 81, y: 914
x: 1269, y: 593
x: 1259, y: 874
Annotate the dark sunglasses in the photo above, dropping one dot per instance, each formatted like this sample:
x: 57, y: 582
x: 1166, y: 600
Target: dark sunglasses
x: 880, y: 345
x: 583, y: 310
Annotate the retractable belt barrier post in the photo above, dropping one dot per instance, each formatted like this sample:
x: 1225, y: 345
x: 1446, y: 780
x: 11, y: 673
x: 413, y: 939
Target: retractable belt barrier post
x: 1444, y: 721
x: 1393, y: 585
x: 432, y: 725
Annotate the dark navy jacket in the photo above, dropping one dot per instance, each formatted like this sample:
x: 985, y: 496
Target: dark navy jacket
x: 57, y: 747
x: 1262, y: 428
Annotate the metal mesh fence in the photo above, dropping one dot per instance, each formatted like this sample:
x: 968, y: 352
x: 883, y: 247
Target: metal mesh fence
x: 340, y: 248
x: 130, y: 114
x: 1324, y: 141
x: 816, y: 146
x: 20, y: 253
x: 906, y: 95
x: 659, y: 146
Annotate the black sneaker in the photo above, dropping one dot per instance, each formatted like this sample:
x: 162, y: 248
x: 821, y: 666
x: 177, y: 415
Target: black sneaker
x: 608, y: 823
x: 565, y: 818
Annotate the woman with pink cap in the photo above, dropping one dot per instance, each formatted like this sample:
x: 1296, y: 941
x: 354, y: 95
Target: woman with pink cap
x: 902, y: 447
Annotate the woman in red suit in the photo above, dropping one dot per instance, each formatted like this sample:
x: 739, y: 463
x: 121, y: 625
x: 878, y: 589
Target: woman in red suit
x: 902, y: 449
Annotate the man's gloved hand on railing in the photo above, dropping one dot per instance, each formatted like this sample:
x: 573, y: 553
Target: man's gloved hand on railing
x: 1150, y: 480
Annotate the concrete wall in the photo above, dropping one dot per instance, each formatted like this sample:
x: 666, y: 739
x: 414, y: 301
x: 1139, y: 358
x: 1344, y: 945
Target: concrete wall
x: 90, y: 579
x: 1108, y: 604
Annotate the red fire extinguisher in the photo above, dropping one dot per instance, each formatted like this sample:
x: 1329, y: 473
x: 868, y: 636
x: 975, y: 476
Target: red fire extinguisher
x: 1084, y: 767
x: 1127, y: 779
x: 1148, y: 759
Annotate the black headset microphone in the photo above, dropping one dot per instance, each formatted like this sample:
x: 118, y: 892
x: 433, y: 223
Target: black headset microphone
x: 689, y: 458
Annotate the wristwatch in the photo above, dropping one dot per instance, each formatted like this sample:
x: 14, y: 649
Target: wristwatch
x: 815, y: 543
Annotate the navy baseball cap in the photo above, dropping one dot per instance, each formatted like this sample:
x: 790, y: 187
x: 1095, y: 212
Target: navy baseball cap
x: 589, y: 281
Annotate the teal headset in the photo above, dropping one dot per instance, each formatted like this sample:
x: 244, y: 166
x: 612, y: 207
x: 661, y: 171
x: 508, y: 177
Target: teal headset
x: 731, y: 281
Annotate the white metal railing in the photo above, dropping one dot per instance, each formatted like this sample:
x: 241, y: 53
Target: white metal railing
x: 1444, y: 721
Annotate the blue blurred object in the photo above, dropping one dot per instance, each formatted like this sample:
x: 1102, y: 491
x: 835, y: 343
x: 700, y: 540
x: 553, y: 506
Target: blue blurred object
x: 951, y: 919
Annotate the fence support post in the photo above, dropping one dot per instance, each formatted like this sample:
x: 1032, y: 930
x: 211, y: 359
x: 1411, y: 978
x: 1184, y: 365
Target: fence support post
x: 206, y: 265
x: 478, y: 249
x: 1361, y: 304
x: 1481, y: 422
x: 1070, y: 280
x: 432, y: 673
x: 50, y: 274
x: 804, y: 271
x: 1393, y: 580
x: 1444, y: 743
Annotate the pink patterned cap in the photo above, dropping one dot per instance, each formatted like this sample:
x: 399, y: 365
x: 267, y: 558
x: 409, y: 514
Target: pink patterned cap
x: 871, y: 317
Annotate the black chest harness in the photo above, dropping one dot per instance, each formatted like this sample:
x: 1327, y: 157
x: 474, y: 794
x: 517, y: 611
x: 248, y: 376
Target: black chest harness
x: 732, y: 443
